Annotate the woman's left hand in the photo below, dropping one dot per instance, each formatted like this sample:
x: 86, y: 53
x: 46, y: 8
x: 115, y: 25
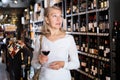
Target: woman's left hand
x: 56, y: 65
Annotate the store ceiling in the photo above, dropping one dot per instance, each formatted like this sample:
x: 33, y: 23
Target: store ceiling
x: 7, y: 15
x: 11, y: 10
x: 14, y: 3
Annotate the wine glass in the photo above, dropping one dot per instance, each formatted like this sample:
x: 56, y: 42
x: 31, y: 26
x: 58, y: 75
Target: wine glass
x: 45, y: 50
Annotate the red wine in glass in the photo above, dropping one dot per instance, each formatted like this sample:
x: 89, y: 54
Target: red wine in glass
x: 46, y: 52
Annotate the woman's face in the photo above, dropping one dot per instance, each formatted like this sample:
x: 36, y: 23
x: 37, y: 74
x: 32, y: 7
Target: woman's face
x: 54, y: 19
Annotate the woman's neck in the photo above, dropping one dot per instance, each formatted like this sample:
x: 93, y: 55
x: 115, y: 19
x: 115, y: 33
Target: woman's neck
x: 54, y: 32
x: 55, y: 35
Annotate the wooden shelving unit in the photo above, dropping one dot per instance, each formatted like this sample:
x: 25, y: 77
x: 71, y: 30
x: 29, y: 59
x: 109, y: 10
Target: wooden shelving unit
x: 91, y: 22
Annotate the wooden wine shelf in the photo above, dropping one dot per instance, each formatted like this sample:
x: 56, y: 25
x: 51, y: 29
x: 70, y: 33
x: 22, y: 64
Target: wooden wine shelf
x: 38, y: 22
x: 86, y: 12
x: 88, y: 33
x: 94, y: 56
x: 88, y: 75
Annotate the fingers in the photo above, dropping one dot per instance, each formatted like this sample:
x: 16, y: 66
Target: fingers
x: 56, y: 65
x: 43, y: 59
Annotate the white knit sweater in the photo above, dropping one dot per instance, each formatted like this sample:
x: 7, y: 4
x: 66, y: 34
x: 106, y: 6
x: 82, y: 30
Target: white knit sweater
x: 63, y: 49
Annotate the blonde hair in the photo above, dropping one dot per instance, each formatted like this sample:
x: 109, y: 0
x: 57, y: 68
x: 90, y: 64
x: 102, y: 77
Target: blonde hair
x: 45, y: 28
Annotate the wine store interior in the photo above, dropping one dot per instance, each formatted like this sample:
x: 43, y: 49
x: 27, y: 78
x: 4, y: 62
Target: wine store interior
x: 94, y: 25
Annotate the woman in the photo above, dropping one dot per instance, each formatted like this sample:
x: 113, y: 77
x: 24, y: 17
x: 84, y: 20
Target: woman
x: 63, y: 55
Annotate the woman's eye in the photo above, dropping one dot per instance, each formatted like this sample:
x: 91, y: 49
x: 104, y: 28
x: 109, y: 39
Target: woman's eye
x: 54, y: 16
x: 57, y: 16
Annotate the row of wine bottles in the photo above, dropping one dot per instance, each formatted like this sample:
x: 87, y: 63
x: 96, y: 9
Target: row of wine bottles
x: 93, y: 45
x: 99, y: 24
x: 95, y: 67
x: 82, y: 5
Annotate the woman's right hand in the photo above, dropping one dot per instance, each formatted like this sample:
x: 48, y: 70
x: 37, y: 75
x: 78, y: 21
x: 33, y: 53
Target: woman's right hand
x: 43, y: 59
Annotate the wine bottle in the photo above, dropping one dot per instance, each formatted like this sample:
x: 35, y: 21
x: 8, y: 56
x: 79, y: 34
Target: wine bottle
x: 84, y: 44
x: 68, y: 9
x: 83, y: 25
x: 106, y: 24
x: 87, y: 69
x: 107, y: 48
x: 107, y: 71
x: 91, y: 66
x: 115, y: 29
x: 94, y: 67
x: 101, y: 47
x: 106, y: 3
x: 75, y: 24
x: 22, y: 67
x: 69, y: 28
x: 93, y: 46
x: 95, y: 24
x: 101, y: 70
x: 90, y: 5
x: 117, y: 25
x: 83, y: 63
x: 90, y: 24
x: 94, y: 4
x: 104, y: 70
x: 28, y: 68
x: 76, y: 37
x: 101, y: 3
x: 101, y: 23
x: 74, y: 7
x: 83, y: 6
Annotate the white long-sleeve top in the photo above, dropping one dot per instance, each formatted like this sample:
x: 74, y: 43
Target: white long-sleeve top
x: 63, y: 49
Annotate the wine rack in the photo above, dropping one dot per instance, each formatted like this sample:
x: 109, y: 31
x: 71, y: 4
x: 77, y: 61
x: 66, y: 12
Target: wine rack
x: 32, y: 21
x: 93, y: 25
